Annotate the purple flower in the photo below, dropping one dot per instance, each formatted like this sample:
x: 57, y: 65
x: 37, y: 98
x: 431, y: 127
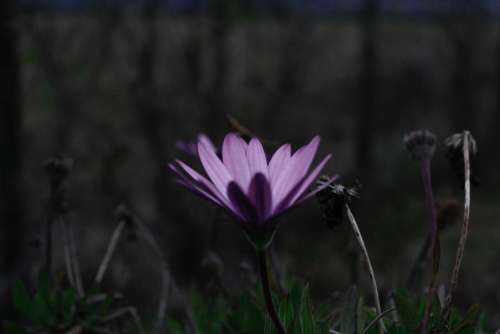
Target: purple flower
x: 246, y: 185
x: 191, y: 146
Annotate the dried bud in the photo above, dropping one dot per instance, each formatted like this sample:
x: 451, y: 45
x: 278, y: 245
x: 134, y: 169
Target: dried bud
x: 455, y: 143
x: 123, y: 213
x: 332, y: 200
x: 421, y: 144
x: 58, y: 170
x: 455, y: 154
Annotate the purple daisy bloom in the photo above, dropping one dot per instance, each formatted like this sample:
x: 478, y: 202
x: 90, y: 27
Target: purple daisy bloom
x: 246, y: 185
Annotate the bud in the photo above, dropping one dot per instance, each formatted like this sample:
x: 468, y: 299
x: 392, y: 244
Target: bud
x: 421, y: 144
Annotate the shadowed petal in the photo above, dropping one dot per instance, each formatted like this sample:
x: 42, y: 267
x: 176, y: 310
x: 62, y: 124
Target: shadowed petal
x: 260, y: 195
x: 214, y: 167
x: 198, y: 186
x: 278, y: 162
x: 295, y: 193
x: 242, y: 205
x: 257, y: 162
x: 234, y: 156
x: 295, y: 170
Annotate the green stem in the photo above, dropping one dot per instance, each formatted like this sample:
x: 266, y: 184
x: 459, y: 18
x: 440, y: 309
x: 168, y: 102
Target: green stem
x: 264, y: 278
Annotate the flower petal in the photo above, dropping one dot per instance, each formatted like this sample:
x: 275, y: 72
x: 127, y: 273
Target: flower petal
x: 214, y: 167
x: 295, y: 170
x: 198, y: 186
x: 206, y: 141
x: 295, y: 193
x: 260, y: 195
x: 234, y: 156
x: 278, y: 162
x: 256, y: 156
x: 242, y: 205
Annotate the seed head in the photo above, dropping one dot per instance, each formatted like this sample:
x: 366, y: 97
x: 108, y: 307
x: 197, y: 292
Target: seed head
x: 332, y: 200
x: 455, y: 143
x: 421, y: 144
x: 455, y: 154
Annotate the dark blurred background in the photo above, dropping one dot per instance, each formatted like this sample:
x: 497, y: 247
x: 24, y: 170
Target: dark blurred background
x: 114, y: 84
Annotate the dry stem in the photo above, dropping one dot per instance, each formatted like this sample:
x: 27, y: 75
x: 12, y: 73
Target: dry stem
x: 464, y: 231
x: 359, y: 238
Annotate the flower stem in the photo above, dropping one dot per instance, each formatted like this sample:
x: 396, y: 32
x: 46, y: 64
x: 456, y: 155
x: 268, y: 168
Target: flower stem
x: 361, y: 242
x: 434, y: 236
x: 464, y: 231
x: 264, y: 278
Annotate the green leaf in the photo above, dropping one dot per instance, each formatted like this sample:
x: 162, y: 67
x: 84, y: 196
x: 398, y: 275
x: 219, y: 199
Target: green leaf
x: 307, y: 318
x: 68, y: 303
x: 469, y: 321
x: 41, y: 312
x: 44, y: 290
x: 348, y: 324
x: 22, y: 299
x: 360, y: 316
x: 409, y: 311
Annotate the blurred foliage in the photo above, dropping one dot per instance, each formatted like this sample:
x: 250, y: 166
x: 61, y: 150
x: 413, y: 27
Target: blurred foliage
x: 247, y: 314
x: 61, y: 310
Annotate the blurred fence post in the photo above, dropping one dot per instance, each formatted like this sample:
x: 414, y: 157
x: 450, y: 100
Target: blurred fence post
x: 11, y: 217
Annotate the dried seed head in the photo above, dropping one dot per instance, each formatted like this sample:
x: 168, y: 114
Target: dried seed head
x: 421, y: 144
x: 58, y: 170
x: 455, y: 154
x: 332, y: 200
x: 123, y: 213
x: 455, y: 143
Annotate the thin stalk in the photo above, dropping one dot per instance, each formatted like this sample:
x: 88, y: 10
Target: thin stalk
x: 76, y: 264
x: 464, y: 230
x: 264, y: 278
x: 115, y: 238
x: 166, y: 277
x: 359, y: 238
x: 434, y: 236
x: 67, y: 254
x: 381, y: 315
